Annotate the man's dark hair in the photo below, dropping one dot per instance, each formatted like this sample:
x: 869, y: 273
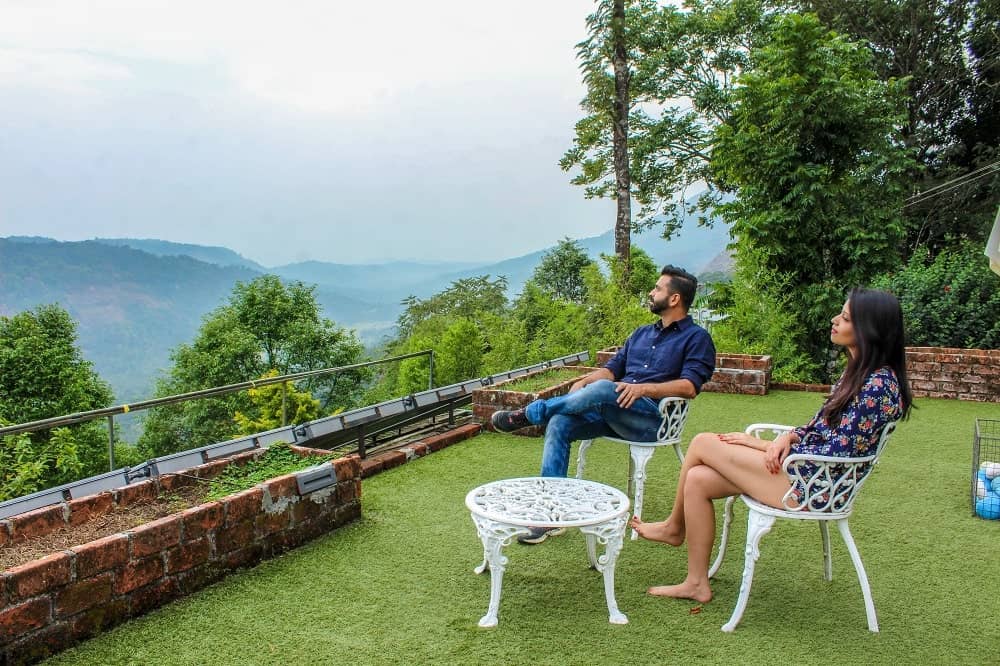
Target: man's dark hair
x: 683, y: 283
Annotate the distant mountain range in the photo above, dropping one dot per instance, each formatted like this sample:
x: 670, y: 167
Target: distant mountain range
x: 136, y: 299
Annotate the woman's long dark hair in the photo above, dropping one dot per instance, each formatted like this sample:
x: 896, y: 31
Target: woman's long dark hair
x: 877, y: 319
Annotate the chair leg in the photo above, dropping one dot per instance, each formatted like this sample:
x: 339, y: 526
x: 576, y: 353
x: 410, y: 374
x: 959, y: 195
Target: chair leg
x: 680, y: 454
x: 758, y: 524
x: 639, y: 457
x: 845, y: 532
x: 727, y: 519
x: 580, y: 454
x: 824, y: 529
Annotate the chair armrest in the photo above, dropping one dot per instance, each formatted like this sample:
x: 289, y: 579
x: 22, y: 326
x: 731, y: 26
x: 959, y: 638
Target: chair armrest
x: 756, y: 429
x: 675, y: 413
x: 824, y: 483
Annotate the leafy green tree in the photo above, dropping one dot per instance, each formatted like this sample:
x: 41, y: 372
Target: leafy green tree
x: 266, y: 326
x: 560, y: 271
x: 275, y: 405
x: 812, y: 152
x: 948, y: 53
x: 42, y: 375
x: 459, y: 356
x: 468, y: 297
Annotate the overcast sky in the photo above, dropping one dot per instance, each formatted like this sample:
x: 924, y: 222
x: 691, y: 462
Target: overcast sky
x: 335, y: 131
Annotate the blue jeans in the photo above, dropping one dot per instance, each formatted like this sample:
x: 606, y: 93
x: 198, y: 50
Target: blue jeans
x: 591, y: 412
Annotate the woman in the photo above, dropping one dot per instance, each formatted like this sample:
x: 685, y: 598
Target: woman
x: 872, y: 391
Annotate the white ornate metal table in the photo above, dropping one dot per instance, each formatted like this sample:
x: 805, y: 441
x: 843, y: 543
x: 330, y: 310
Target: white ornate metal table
x: 503, y: 510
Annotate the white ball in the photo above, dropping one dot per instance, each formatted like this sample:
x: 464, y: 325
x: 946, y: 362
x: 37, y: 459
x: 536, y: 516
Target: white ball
x: 992, y: 469
x: 980, y: 489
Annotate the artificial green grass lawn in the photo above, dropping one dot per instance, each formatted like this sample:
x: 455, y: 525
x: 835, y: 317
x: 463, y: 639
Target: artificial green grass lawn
x: 397, y: 586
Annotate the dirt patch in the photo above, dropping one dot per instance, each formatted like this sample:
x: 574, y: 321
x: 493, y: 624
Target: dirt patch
x: 119, y: 520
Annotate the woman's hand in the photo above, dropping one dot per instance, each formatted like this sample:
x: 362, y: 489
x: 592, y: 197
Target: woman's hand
x: 743, y: 439
x: 776, y: 452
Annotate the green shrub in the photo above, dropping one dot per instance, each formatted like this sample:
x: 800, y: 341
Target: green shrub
x: 950, y: 301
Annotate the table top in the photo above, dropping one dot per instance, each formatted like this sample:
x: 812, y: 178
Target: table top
x: 547, y: 502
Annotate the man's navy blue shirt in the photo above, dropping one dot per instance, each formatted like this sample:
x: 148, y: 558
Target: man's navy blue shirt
x: 654, y: 353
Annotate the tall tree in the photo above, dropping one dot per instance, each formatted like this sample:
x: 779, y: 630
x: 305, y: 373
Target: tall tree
x: 42, y: 375
x: 682, y: 65
x: 266, y: 326
x: 812, y: 152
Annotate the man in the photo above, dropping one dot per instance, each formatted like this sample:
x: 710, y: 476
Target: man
x: 671, y: 357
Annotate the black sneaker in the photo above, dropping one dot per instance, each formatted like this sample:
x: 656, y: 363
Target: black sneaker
x: 539, y: 534
x: 507, y: 421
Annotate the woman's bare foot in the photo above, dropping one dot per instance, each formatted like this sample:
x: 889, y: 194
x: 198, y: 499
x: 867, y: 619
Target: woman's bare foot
x: 700, y: 592
x: 661, y: 531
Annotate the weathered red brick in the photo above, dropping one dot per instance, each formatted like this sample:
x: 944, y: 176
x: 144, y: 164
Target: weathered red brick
x: 268, y: 523
x: 97, y: 619
x: 37, y: 523
x: 346, y: 491
x: 199, y: 577
x: 212, y: 469
x: 155, y: 536
x: 283, y: 486
x: 201, y: 519
x: 144, y: 491
x: 188, y: 555
x: 40, y: 644
x: 348, y: 467
x: 83, y: 509
x: 370, y: 467
x: 109, y: 552
x: 243, y: 505
x: 171, y: 482
x: 139, y: 574
x: 153, y: 596
x: 17, y: 620
x: 84, y: 594
x: 235, y: 536
x: 305, y: 511
x: 39, y: 576
x: 4, y: 533
x: 392, y: 459
x: 245, y: 557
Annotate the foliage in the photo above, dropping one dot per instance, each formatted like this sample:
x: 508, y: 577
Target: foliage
x: 265, y: 326
x: 612, y: 312
x: 812, y: 152
x: 275, y: 405
x: 560, y: 271
x: 278, y: 460
x: 760, y: 321
x: 468, y: 297
x: 948, y: 53
x: 952, y: 300
x: 42, y: 375
x: 541, y: 380
x: 683, y: 66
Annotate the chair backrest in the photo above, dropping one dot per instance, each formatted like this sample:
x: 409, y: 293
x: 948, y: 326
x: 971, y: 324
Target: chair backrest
x: 675, y: 413
x: 829, y: 483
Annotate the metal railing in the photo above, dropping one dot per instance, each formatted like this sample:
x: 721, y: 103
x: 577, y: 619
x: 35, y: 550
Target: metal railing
x: 110, y: 412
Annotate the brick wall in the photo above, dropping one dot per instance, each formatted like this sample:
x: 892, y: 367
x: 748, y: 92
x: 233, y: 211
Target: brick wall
x: 748, y: 374
x: 53, y: 602
x: 945, y: 372
x: 485, y: 401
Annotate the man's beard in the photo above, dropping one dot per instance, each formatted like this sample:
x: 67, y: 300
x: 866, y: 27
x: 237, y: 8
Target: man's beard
x: 657, y: 307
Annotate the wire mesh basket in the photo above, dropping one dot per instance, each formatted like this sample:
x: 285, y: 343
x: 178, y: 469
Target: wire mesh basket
x: 985, y: 493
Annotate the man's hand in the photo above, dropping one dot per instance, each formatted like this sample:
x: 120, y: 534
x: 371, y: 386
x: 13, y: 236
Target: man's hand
x: 629, y: 393
x: 577, y: 386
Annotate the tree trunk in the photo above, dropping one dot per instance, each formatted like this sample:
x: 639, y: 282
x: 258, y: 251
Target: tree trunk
x: 623, y: 220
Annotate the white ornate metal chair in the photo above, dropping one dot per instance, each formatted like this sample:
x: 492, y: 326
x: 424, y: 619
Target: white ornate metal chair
x: 831, y: 485
x: 674, y: 412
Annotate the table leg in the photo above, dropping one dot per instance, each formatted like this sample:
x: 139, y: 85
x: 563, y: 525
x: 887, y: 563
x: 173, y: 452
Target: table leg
x: 610, y: 535
x: 494, y: 537
x: 639, y: 457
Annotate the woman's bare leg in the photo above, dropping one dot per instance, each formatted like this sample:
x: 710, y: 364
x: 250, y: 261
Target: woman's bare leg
x: 711, y: 469
x: 703, y: 484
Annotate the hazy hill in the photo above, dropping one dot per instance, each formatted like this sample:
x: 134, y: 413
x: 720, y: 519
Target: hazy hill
x: 210, y: 254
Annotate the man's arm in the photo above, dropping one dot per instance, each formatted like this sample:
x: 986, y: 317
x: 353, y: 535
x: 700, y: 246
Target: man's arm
x: 602, y: 373
x: 675, y: 388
